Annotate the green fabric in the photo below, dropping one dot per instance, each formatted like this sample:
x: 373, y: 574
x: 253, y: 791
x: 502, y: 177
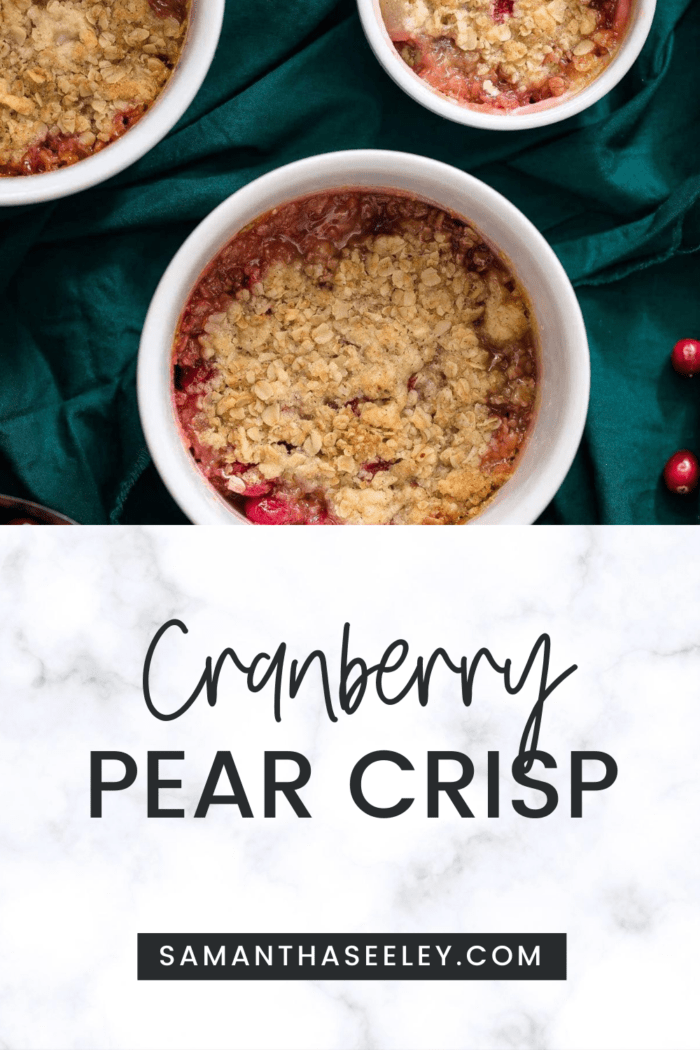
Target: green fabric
x: 615, y: 191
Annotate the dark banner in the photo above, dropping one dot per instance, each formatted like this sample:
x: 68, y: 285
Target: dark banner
x: 346, y: 956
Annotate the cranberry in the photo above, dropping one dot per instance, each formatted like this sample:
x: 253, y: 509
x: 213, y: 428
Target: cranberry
x: 283, y: 509
x: 21, y: 521
x: 257, y: 489
x: 274, y: 510
x: 682, y: 472
x: 255, y: 485
x: 502, y: 9
x: 379, y: 464
x: 686, y: 357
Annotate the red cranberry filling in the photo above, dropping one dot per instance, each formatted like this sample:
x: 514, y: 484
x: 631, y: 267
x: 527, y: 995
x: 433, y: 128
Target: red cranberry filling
x: 169, y: 9
x: 502, y: 9
x: 61, y: 151
x: 285, y: 509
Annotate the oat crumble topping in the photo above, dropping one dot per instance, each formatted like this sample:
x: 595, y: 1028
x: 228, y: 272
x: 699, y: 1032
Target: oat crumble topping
x: 75, y: 74
x: 505, y: 47
x: 398, y: 382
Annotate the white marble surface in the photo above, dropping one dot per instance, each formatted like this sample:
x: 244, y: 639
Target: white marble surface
x: 79, y: 608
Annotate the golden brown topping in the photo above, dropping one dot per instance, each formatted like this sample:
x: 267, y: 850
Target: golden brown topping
x: 73, y: 67
x: 535, y: 43
x: 373, y: 383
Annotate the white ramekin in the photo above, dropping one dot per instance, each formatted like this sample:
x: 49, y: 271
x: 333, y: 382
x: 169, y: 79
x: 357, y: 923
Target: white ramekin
x: 184, y: 83
x: 549, y: 112
x: 565, y: 370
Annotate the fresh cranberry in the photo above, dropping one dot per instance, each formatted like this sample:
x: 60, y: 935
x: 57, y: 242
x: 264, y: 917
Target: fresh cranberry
x: 21, y: 521
x: 274, y: 510
x: 682, y: 472
x: 686, y: 357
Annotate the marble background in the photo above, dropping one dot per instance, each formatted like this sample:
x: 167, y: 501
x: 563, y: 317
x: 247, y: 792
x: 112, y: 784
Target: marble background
x: 79, y: 609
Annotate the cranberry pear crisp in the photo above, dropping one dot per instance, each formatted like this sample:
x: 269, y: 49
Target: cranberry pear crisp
x: 75, y: 75
x: 356, y: 357
x: 505, y: 54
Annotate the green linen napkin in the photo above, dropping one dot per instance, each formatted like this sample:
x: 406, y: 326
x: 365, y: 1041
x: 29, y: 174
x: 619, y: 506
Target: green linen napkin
x: 615, y: 191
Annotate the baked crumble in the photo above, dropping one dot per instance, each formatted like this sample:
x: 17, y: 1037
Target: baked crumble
x: 359, y: 358
x: 75, y: 75
x: 506, y: 53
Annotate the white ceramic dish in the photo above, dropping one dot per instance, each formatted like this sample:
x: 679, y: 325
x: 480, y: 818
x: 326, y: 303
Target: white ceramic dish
x: 535, y: 116
x: 200, y: 44
x: 565, y: 370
